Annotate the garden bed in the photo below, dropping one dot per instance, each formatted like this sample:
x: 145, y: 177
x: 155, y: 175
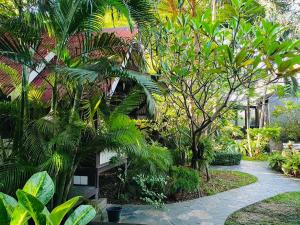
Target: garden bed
x: 283, y: 209
x: 221, y: 181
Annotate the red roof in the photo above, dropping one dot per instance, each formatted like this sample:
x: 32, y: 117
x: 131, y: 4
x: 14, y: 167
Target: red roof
x: 47, y: 43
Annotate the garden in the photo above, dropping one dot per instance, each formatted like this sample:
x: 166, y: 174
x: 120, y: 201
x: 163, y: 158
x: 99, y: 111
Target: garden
x: 149, y: 112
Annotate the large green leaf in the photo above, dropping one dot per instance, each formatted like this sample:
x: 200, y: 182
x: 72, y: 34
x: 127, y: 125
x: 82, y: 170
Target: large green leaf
x: 9, y: 203
x: 20, y: 216
x: 33, y: 206
x: 60, y: 211
x: 4, y: 218
x: 41, y: 186
x: 81, y: 216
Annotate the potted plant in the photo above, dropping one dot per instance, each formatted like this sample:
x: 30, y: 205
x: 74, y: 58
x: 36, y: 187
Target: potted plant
x: 114, y: 214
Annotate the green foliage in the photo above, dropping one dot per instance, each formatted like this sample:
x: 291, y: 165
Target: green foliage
x: 151, y: 188
x: 259, y: 140
x: 266, y: 133
x: 32, y: 201
x: 287, y: 161
x: 276, y: 160
x: 57, y: 140
x: 287, y: 117
x: 257, y: 157
x: 156, y: 160
x: 292, y: 164
x: 227, y: 158
x: 183, y: 179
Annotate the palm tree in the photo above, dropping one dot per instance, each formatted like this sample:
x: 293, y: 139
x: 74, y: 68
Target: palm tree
x: 58, y: 140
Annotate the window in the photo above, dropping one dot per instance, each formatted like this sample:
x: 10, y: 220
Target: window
x: 240, y: 118
x: 80, y: 180
x: 252, y: 117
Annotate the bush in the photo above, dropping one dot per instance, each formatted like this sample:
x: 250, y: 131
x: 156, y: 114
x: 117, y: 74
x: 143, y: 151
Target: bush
x: 276, y: 160
x: 183, y: 179
x: 151, y: 188
x: 292, y: 164
x: 227, y: 158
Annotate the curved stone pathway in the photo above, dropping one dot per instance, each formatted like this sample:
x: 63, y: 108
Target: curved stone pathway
x: 213, y: 210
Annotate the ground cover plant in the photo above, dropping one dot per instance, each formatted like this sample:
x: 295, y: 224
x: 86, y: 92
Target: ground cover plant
x: 281, y: 209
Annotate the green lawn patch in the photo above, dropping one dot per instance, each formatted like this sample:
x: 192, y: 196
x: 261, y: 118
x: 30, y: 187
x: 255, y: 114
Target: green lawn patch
x: 259, y: 157
x: 224, y: 180
x: 283, y: 209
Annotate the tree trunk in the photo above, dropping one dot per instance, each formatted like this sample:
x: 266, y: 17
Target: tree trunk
x: 60, y: 186
x: 23, y: 107
x: 194, y: 147
x: 207, y: 173
x: 54, y: 95
x: 248, y: 126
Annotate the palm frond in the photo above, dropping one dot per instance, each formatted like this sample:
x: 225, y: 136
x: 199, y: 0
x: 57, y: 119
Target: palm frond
x: 12, y: 73
x: 149, y: 87
x: 107, y: 44
x: 131, y: 102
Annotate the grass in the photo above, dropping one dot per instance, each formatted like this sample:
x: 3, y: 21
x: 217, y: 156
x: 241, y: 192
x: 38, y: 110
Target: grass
x: 259, y: 157
x: 224, y: 180
x: 283, y: 209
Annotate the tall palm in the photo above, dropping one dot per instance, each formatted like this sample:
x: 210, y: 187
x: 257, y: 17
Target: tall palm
x: 56, y: 141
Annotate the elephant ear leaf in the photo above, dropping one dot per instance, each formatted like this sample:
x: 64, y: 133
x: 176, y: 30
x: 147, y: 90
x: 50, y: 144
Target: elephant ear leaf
x: 4, y: 218
x: 41, y: 186
x: 81, y: 216
x: 60, y: 211
x: 33, y: 206
x: 9, y: 203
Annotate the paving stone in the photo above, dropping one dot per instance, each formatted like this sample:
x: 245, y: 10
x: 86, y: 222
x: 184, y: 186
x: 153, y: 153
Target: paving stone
x: 213, y: 210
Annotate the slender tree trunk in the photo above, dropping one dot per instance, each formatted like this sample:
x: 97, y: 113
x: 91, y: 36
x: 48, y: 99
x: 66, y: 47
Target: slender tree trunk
x: 214, y: 9
x: 61, y: 182
x: 69, y: 182
x: 194, y: 151
x: 248, y: 126
x: 54, y: 95
x: 76, y: 102
x: 207, y: 173
x: 23, y: 106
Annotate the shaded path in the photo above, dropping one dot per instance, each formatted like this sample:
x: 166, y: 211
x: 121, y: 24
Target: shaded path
x: 213, y: 210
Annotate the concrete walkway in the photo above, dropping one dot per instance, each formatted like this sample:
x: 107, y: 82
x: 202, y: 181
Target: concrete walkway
x: 213, y: 210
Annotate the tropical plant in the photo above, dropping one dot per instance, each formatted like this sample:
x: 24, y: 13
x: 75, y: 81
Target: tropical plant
x: 155, y: 160
x: 32, y: 201
x: 151, y: 188
x: 259, y: 138
x: 291, y: 166
x: 287, y: 118
x: 276, y: 160
x: 183, y: 179
x: 57, y: 140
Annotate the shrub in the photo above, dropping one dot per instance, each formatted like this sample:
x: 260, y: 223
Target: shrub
x: 276, y: 160
x: 151, y: 188
x: 183, y: 179
x: 227, y: 158
x: 37, y: 193
x: 292, y: 164
x: 259, y: 140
